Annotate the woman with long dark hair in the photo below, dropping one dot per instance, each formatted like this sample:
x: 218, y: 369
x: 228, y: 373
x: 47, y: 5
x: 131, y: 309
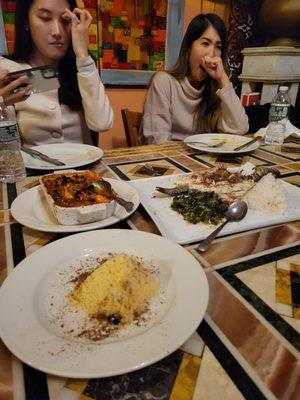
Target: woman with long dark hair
x: 196, y: 95
x: 55, y: 32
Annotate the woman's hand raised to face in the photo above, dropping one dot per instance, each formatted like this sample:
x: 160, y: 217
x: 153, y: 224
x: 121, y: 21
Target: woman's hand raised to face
x: 215, y: 68
x: 7, y: 88
x: 80, y: 22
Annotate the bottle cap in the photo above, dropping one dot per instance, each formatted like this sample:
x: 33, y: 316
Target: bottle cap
x: 283, y: 88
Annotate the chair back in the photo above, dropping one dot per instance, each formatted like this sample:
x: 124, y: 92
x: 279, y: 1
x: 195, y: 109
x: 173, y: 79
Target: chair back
x: 132, y: 124
x: 94, y: 137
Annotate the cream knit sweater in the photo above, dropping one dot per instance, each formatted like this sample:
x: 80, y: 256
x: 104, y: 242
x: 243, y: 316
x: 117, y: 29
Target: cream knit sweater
x: 170, y: 106
x: 43, y: 120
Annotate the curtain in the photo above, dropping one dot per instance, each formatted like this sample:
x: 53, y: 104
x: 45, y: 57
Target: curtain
x: 243, y: 31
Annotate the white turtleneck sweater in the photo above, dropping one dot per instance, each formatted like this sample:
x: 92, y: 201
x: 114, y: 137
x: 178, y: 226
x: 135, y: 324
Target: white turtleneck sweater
x: 170, y: 106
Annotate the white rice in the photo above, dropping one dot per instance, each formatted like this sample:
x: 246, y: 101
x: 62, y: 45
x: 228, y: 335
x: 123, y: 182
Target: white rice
x: 267, y: 196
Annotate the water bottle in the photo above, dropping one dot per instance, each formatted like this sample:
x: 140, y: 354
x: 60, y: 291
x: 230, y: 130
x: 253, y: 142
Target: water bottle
x: 278, y: 116
x: 12, y: 167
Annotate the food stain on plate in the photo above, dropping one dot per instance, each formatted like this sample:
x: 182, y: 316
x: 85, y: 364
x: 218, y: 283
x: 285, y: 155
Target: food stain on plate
x: 85, y: 156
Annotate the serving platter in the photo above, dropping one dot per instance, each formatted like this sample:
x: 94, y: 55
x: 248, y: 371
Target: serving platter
x: 31, y: 294
x: 174, y: 227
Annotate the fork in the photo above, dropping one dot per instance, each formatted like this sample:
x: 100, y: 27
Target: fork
x: 207, y: 144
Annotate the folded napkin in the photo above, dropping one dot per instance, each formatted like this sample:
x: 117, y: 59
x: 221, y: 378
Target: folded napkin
x: 289, y: 130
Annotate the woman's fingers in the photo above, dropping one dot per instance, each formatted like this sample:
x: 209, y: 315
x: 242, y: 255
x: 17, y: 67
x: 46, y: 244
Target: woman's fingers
x: 212, y: 62
x: 215, y: 68
x: 83, y: 15
x: 3, y: 74
x: 8, y: 87
x: 71, y: 16
x: 14, y: 91
x: 79, y: 17
x: 17, y: 97
x: 80, y: 22
x: 21, y: 95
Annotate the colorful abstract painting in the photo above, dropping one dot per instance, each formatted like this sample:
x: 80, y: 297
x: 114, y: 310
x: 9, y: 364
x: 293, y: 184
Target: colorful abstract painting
x: 8, y: 12
x: 132, y: 34
x: 124, y: 34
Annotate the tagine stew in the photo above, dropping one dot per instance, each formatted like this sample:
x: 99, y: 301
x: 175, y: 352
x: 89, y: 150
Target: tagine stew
x: 75, y: 189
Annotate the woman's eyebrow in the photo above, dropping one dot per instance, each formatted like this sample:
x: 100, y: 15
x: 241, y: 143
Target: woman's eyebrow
x: 44, y: 10
x: 209, y: 40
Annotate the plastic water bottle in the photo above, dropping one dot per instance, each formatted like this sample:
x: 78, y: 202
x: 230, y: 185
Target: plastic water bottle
x: 278, y: 116
x: 12, y: 167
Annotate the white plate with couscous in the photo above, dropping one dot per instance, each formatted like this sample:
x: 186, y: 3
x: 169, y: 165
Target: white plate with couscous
x: 42, y: 326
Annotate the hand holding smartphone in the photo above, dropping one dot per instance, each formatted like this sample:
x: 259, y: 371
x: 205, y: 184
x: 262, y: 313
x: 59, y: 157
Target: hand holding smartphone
x: 7, y: 90
x: 42, y: 79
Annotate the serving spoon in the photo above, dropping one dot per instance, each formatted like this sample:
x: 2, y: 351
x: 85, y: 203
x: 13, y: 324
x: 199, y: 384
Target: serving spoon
x: 235, y: 212
x: 105, y: 187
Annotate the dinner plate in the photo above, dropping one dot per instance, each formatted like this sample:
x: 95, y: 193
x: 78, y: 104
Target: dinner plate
x: 231, y: 142
x: 31, y: 209
x: 72, y: 154
x: 33, y: 293
x: 174, y: 227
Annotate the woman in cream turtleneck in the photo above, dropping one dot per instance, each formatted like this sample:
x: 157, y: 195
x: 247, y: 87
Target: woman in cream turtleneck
x: 196, y: 95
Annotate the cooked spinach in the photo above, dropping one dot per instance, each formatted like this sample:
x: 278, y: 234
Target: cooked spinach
x: 198, y: 207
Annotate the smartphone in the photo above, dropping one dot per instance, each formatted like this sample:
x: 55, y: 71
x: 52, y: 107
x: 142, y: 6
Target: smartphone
x: 41, y: 78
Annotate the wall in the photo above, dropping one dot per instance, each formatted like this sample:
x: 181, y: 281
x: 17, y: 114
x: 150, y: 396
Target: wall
x: 194, y: 7
x: 134, y: 98
x: 119, y: 98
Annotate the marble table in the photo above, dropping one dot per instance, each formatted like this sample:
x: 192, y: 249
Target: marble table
x: 247, y: 346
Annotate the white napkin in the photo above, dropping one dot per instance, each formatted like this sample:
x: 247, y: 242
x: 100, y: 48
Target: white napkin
x: 246, y: 169
x: 289, y: 129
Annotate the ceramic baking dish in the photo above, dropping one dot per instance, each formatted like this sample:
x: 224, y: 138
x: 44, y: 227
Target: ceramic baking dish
x: 81, y: 214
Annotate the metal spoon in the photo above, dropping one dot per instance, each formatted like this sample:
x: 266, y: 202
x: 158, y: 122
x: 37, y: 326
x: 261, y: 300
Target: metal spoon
x: 105, y: 187
x: 235, y: 212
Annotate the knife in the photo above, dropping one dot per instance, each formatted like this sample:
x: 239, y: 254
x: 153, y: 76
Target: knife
x: 247, y: 144
x: 44, y: 157
x: 290, y: 149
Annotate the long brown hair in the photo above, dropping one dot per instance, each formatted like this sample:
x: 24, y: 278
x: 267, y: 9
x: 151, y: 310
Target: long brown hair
x: 208, y: 111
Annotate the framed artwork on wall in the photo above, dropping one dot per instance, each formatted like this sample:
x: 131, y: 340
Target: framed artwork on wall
x: 137, y: 38
x: 129, y: 39
x: 3, y: 47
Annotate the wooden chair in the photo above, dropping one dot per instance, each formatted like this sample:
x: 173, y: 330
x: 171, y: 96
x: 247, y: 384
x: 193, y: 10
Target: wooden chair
x: 95, y: 138
x: 132, y: 123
